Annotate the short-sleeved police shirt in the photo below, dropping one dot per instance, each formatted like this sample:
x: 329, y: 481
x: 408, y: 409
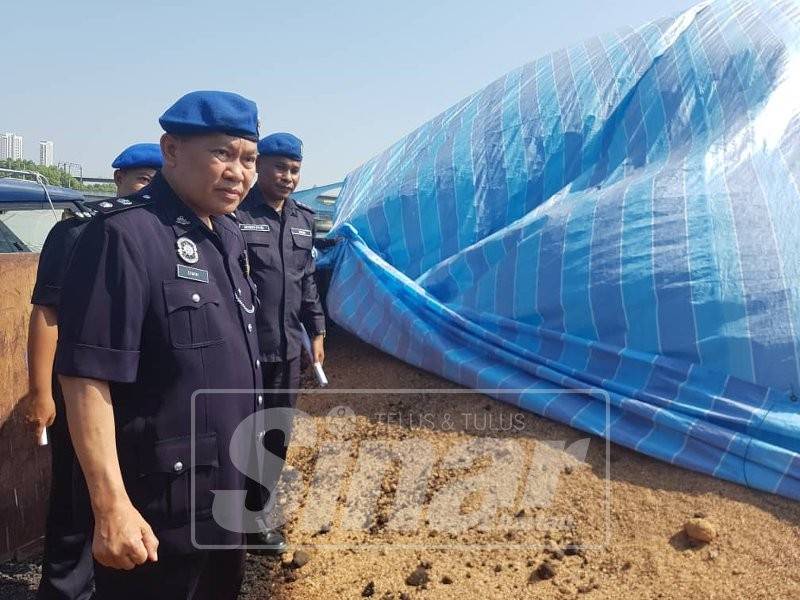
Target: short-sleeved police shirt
x: 282, y: 266
x: 53, y: 260
x: 160, y: 324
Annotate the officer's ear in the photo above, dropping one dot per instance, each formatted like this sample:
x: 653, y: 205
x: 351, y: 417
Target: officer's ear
x: 169, y: 149
x: 118, y: 176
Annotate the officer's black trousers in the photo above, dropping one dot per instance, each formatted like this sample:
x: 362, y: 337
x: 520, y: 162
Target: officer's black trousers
x: 277, y: 376
x: 281, y: 375
x: 67, y: 569
x: 209, y: 575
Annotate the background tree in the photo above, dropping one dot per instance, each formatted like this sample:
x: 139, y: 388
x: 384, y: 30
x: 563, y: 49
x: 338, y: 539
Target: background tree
x: 54, y: 175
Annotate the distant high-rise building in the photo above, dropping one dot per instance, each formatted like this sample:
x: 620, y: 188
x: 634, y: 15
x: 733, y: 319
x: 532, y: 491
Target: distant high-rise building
x: 4, y: 145
x: 10, y: 146
x: 46, y: 153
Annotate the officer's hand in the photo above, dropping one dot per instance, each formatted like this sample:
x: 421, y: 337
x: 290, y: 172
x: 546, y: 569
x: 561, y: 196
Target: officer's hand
x: 318, y: 349
x: 122, y: 538
x: 40, y: 410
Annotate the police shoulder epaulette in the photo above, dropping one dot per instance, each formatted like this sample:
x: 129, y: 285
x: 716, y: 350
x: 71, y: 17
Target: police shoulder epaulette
x: 302, y: 206
x: 82, y: 211
x: 115, y: 205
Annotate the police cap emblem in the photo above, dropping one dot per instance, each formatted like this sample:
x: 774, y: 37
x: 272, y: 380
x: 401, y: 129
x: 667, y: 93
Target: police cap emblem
x: 187, y: 250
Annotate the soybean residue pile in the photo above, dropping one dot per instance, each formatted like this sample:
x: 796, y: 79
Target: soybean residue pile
x: 514, y: 519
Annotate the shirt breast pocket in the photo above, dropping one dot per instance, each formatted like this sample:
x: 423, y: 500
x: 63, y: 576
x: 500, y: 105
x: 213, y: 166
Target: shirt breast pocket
x: 193, y: 314
x: 259, y: 247
x: 302, y: 243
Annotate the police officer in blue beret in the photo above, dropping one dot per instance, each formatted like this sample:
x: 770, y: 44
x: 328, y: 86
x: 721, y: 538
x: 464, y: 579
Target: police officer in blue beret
x: 135, y: 167
x: 280, y: 233
x: 159, y: 306
x: 67, y: 570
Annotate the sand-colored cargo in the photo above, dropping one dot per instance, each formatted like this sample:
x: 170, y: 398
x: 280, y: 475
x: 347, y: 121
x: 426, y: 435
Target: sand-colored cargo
x: 648, y: 554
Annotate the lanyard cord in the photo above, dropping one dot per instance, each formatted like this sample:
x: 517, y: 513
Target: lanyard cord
x: 239, y: 301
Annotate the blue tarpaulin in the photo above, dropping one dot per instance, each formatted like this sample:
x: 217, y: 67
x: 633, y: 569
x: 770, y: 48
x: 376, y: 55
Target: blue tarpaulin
x: 622, y: 216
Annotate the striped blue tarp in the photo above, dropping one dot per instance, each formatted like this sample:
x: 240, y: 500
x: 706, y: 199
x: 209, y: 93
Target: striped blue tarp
x: 622, y: 215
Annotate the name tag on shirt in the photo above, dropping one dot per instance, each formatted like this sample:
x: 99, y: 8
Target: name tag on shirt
x: 253, y: 227
x: 304, y: 232
x: 193, y: 274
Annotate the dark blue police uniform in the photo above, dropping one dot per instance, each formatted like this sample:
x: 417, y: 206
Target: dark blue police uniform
x: 159, y: 305
x: 53, y: 259
x: 67, y: 571
x: 280, y: 247
x: 158, y: 328
x: 282, y: 267
x: 67, y: 565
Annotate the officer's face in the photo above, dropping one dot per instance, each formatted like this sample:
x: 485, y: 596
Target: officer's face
x: 278, y: 176
x: 212, y: 173
x: 130, y: 181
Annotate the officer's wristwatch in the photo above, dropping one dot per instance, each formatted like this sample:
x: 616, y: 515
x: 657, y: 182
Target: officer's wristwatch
x: 322, y: 333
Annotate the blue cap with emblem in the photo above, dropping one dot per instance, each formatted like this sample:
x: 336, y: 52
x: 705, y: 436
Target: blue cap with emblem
x: 139, y: 156
x: 281, y: 144
x: 212, y: 112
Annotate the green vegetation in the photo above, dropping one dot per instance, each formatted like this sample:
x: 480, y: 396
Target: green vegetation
x: 54, y: 175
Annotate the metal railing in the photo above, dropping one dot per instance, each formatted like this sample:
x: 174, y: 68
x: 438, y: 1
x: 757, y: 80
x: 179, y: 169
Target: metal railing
x: 41, y: 180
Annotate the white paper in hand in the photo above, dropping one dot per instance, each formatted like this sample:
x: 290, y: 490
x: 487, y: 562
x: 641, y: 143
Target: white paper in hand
x: 321, y: 379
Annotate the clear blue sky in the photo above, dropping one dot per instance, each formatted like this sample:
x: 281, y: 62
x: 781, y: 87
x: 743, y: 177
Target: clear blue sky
x: 349, y: 77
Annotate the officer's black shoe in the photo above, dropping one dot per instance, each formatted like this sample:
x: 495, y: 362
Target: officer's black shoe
x: 266, y: 543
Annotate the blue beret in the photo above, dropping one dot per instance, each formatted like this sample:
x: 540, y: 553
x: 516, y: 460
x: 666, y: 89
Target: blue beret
x: 212, y: 112
x: 139, y: 156
x: 281, y: 144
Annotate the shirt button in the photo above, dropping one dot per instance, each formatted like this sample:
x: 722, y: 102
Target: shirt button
x: 261, y: 435
x: 250, y: 327
x: 177, y: 467
x: 258, y: 364
x: 260, y: 400
x: 195, y: 297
